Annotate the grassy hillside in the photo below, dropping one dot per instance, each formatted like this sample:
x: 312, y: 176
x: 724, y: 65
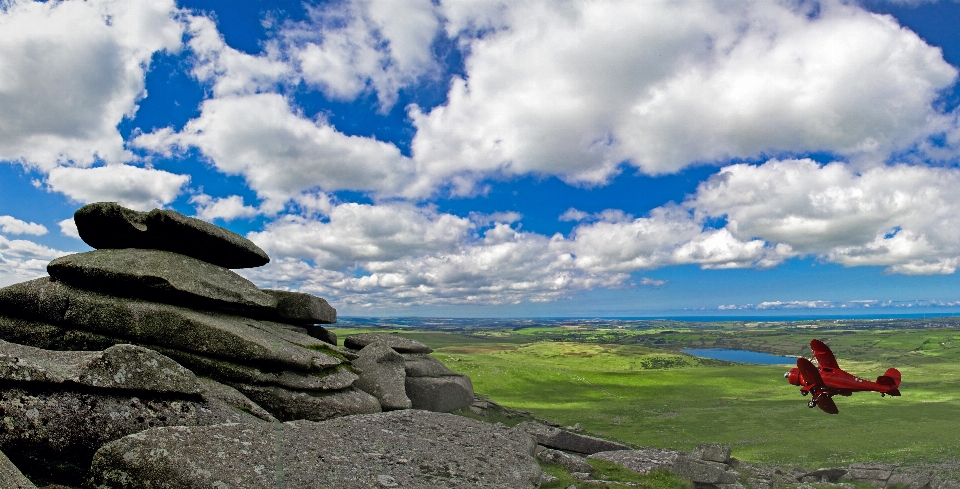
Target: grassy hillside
x: 652, y: 395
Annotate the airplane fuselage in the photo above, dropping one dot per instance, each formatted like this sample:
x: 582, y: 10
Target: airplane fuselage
x: 837, y: 382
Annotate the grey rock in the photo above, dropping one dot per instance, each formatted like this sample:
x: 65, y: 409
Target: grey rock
x: 125, y: 367
x: 162, y: 276
x: 302, y: 308
x: 239, y: 339
x: 232, y: 397
x: 423, y: 365
x: 703, y: 472
x: 382, y: 376
x: 832, y: 474
x: 288, y: 405
x: 398, y: 343
x: 914, y: 480
x: 52, y: 337
x: 564, y: 440
x: 11, y: 477
x: 322, y: 334
x: 570, y: 462
x: 641, y: 461
x: 107, y: 225
x: 408, y: 448
x: 712, y: 452
x: 868, y: 472
x: 224, y: 371
x: 440, y: 394
x: 53, y: 433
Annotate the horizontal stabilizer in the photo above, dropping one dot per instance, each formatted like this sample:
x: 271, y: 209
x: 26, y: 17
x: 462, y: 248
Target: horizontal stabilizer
x: 891, y: 378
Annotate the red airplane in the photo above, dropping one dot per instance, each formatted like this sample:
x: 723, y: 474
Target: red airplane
x: 829, y: 380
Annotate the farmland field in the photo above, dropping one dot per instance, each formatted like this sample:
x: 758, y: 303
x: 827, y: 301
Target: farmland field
x: 637, y: 387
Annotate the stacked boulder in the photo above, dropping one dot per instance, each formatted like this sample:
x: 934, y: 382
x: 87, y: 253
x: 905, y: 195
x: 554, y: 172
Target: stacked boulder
x: 153, y: 328
x: 401, y: 374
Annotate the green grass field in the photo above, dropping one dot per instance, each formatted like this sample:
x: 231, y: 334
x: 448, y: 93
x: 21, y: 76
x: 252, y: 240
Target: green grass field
x: 659, y: 397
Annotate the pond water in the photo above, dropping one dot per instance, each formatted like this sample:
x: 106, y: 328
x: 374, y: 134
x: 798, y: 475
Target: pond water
x: 742, y: 356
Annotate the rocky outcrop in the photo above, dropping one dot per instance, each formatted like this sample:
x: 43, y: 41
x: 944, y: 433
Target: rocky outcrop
x: 59, y: 407
x: 382, y: 375
x: 300, y: 308
x: 11, y: 477
x: 407, y: 448
x: 556, y: 438
x: 153, y: 330
x: 162, y: 276
x: 107, y: 225
x: 398, y: 343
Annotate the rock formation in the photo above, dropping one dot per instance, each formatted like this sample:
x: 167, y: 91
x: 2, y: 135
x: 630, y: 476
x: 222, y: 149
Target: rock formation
x: 154, y: 329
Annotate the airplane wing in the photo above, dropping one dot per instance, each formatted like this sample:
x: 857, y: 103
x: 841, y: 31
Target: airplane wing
x: 809, y: 373
x: 826, y: 404
x: 824, y: 356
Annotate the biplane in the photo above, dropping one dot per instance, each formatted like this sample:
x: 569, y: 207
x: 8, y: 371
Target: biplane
x: 827, y: 379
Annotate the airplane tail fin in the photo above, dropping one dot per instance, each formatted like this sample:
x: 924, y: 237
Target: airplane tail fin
x: 891, y: 378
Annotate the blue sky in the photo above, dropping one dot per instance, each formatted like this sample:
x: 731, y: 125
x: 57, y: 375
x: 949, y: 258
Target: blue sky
x: 488, y: 158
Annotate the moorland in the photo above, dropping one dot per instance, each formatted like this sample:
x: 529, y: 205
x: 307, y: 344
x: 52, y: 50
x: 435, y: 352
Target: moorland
x: 631, y: 382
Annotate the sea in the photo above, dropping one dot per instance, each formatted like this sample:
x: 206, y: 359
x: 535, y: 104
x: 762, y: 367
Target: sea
x: 439, y: 323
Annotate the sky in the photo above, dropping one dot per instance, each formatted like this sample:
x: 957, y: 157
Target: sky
x: 485, y: 158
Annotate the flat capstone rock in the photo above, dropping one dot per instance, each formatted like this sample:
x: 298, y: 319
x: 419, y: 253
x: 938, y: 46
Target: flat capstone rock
x: 403, y: 449
x: 162, y: 276
x: 398, y: 343
x: 302, y: 308
x: 108, y: 225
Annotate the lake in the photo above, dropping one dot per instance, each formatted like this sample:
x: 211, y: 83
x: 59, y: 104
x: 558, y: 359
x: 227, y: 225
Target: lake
x: 742, y: 356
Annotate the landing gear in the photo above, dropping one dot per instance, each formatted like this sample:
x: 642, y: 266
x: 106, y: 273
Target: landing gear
x: 812, y: 403
x: 804, y: 393
x: 883, y: 394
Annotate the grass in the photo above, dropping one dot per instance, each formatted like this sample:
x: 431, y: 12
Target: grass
x: 658, y: 397
x: 609, y: 471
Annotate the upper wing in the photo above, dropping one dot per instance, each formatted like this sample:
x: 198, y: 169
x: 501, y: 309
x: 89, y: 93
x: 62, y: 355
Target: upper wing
x: 809, y: 374
x: 824, y: 356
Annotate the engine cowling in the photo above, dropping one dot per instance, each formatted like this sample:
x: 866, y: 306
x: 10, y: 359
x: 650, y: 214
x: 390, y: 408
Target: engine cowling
x: 793, y: 376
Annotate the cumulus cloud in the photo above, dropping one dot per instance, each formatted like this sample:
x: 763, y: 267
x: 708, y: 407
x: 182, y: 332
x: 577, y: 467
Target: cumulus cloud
x: 906, y: 218
x: 233, y: 72
x: 226, y: 208
x: 349, y: 47
x: 282, y: 154
x: 22, y: 259
x: 71, y: 71
x: 575, y: 89
x: 134, y: 187
x: 12, y: 225
x: 403, y: 254
x: 68, y: 227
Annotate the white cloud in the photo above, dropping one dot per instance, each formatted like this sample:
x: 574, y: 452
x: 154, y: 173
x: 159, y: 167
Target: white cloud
x: 280, y: 153
x: 68, y: 227
x: 12, y: 225
x: 134, y: 187
x: 403, y: 254
x: 574, y: 89
x: 226, y: 208
x: 352, y: 46
x: 233, y: 72
x: 906, y: 218
x: 70, y: 71
x: 23, y: 260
